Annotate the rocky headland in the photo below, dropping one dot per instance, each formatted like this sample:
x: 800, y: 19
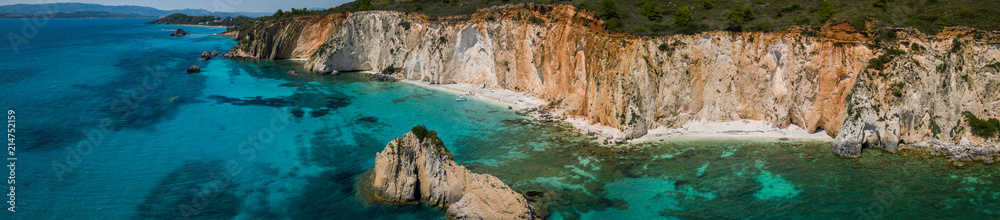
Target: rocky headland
x: 866, y: 88
x: 418, y: 168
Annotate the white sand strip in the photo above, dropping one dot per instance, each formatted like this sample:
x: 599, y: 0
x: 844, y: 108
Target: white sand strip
x: 502, y: 97
x: 741, y: 129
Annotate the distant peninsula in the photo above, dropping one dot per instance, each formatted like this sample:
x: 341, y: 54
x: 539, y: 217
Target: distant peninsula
x: 183, y: 19
x: 81, y: 10
x: 79, y: 14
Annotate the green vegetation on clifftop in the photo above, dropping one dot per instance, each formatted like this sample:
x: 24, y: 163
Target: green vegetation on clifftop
x: 654, y: 18
x: 645, y: 17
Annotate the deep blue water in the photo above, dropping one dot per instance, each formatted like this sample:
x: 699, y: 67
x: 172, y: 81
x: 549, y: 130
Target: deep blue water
x: 110, y: 127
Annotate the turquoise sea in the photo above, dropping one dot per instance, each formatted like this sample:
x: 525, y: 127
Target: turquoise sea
x: 110, y: 127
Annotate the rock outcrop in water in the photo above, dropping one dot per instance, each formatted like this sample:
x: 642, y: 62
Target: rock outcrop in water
x: 208, y: 56
x: 820, y: 81
x: 418, y: 168
x: 179, y: 33
x: 194, y: 69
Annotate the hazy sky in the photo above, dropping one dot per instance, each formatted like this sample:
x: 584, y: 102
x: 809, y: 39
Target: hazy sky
x: 211, y: 5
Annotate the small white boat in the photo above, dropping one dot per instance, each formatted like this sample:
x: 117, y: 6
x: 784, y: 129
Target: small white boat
x: 461, y: 99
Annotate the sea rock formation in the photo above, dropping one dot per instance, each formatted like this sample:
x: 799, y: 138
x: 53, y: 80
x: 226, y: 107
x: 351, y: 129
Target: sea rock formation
x: 179, y: 33
x: 799, y: 76
x: 418, y: 168
x: 194, y: 69
x: 205, y: 55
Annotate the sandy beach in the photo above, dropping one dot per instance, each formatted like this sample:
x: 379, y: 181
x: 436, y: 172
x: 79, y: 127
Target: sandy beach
x: 516, y: 100
x: 740, y: 129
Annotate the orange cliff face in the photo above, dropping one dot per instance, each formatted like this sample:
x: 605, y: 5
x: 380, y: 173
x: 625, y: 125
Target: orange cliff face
x: 613, y: 79
x: 295, y: 38
x: 627, y: 82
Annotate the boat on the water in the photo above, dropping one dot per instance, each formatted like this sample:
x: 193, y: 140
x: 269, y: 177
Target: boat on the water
x: 461, y: 99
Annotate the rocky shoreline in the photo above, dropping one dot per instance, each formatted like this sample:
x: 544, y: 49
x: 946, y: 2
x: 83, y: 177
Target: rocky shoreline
x: 418, y: 168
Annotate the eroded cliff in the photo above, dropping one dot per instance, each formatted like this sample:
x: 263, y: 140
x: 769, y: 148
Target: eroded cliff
x: 293, y: 38
x: 919, y: 99
x: 636, y: 83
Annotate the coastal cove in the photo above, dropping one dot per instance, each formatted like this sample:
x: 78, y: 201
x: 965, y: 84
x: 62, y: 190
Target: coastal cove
x: 866, y: 88
x: 260, y: 143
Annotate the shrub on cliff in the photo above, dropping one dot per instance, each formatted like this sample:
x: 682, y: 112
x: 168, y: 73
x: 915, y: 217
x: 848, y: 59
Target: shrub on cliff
x: 915, y: 47
x: 995, y: 66
x: 608, y: 9
x: 614, y: 24
x: 826, y: 11
x: 429, y: 137
x: 860, y: 24
x: 707, y: 5
x: 881, y: 4
x: 536, y: 20
x: 391, y: 70
x: 363, y: 5
x: 935, y: 129
x: 885, y: 36
x: 956, y: 46
x: 788, y: 9
x: 420, y: 131
x: 405, y: 25
x: 416, y: 6
x: 682, y: 18
x: 638, y: 30
x: 433, y: 139
x: 763, y: 26
x: 886, y: 57
x: 651, y: 11
x: 737, y: 18
x: 983, y: 128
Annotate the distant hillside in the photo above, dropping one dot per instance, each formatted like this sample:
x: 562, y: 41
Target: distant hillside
x: 69, y: 9
x: 79, y: 14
